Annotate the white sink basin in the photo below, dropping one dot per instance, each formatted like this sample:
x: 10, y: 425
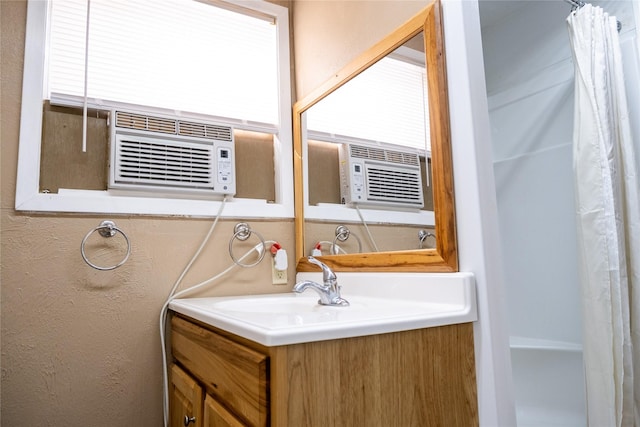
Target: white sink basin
x: 379, y: 303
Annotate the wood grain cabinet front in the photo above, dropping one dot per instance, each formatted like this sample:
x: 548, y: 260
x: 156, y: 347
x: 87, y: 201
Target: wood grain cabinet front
x: 421, y: 378
x: 185, y: 397
x: 232, y: 373
x: 188, y: 409
x: 215, y: 415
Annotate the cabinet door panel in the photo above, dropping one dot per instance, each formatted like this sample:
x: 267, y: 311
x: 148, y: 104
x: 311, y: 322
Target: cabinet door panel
x: 185, y: 399
x: 216, y: 416
x: 231, y: 372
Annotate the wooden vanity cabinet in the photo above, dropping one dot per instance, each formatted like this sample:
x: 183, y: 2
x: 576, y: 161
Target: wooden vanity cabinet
x: 424, y: 377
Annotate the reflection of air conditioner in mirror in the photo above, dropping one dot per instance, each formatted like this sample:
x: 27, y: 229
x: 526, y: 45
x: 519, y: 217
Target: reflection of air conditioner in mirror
x: 156, y: 154
x: 380, y: 177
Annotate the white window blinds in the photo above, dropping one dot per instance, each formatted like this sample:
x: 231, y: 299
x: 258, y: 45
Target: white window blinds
x: 388, y: 103
x: 181, y: 55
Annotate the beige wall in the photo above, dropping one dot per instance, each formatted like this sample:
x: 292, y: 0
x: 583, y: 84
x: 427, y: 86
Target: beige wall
x: 81, y: 347
x: 330, y: 33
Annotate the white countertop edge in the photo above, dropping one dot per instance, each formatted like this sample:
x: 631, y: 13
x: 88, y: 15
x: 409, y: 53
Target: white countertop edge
x: 312, y: 333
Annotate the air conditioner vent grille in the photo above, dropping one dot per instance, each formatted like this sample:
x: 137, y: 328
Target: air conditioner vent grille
x: 204, y: 130
x: 154, y: 163
x: 169, y: 126
x: 394, y: 185
x: 143, y: 122
x: 384, y: 155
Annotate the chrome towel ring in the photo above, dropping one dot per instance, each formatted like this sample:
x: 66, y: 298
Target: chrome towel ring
x: 422, y: 236
x: 342, y: 235
x: 242, y: 232
x: 106, y: 229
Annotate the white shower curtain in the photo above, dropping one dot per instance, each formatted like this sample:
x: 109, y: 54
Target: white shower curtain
x: 608, y: 220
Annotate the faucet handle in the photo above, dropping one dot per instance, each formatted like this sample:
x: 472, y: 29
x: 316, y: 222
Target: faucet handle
x: 327, y: 274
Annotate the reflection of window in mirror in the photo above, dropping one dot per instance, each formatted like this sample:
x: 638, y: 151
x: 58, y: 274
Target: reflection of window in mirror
x: 386, y: 103
x: 368, y: 143
x: 385, y: 107
x: 368, y: 151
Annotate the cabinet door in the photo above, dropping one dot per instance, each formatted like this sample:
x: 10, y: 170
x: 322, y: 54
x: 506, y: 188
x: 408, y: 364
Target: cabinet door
x: 185, y: 400
x: 238, y: 375
x: 216, y: 416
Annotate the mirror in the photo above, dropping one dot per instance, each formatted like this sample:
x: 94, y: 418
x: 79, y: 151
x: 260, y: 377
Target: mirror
x: 367, y: 160
x: 319, y: 145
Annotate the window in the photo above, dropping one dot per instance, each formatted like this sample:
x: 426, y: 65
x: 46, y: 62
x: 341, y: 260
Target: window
x: 180, y: 55
x: 209, y: 60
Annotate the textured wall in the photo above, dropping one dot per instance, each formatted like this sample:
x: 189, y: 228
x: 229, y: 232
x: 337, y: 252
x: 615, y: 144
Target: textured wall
x: 81, y: 347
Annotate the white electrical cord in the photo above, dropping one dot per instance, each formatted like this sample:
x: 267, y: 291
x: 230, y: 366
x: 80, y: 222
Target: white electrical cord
x: 166, y: 304
x: 163, y: 318
x: 202, y: 245
x: 366, y: 227
x: 173, y: 295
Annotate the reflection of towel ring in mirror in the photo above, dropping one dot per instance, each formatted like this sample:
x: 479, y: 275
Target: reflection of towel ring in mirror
x: 105, y: 229
x: 342, y: 234
x: 242, y: 232
x: 422, y: 236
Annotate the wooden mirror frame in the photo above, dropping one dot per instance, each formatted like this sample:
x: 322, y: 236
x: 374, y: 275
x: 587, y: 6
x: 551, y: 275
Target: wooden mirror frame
x: 444, y: 258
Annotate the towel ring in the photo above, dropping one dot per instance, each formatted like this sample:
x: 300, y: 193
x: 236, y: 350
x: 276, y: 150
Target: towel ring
x: 422, y: 236
x: 106, y: 229
x: 342, y: 235
x: 242, y: 232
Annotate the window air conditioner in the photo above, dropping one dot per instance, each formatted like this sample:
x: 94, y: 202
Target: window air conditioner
x: 380, y: 177
x: 163, y: 154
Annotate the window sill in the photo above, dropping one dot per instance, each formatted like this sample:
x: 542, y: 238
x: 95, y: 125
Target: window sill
x: 103, y: 202
x: 334, y: 212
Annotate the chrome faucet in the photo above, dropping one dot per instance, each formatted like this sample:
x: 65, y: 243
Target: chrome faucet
x: 329, y: 291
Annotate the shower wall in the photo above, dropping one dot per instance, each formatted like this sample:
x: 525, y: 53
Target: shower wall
x: 530, y: 92
x: 529, y: 72
x: 529, y: 76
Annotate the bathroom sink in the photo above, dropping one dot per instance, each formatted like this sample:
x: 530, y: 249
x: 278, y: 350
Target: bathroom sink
x: 268, y: 304
x: 283, y: 311
x: 379, y: 303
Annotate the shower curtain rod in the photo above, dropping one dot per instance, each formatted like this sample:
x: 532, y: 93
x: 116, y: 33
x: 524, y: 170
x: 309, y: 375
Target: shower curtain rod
x: 577, y: 4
